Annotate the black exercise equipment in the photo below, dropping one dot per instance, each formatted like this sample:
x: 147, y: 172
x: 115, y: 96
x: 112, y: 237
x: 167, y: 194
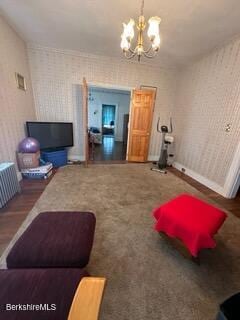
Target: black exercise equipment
x: 166, y: 141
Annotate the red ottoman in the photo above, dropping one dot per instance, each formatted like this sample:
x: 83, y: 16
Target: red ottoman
x: 191, y: 220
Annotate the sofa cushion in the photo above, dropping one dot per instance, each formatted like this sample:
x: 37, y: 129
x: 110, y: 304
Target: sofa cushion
x: 26, y: 288
x: 55, y: 239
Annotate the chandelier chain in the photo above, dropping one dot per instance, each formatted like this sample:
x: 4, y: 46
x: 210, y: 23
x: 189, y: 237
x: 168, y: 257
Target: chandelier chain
x: 142, y: 7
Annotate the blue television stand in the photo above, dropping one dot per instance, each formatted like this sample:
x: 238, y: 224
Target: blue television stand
x: 58, y: 157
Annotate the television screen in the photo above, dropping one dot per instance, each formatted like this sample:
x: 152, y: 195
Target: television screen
x: 51, y: 135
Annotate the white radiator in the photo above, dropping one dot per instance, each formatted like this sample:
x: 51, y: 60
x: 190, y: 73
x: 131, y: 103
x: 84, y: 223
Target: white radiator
x: 9, y: 184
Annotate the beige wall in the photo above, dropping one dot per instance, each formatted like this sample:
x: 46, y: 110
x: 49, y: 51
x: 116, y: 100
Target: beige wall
x: 208, y: 99
x: 202, y: 98
x: 16, y: 106
x: 56, y: 75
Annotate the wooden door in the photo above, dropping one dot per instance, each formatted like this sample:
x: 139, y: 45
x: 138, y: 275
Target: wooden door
x: 85, y: 120
x: 141, y: 113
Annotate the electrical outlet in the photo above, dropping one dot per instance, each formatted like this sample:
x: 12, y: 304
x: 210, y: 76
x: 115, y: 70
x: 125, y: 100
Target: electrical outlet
x: 228, y: 127
x: 183, y: 169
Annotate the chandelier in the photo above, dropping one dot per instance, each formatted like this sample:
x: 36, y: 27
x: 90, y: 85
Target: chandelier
x: 153, y: 35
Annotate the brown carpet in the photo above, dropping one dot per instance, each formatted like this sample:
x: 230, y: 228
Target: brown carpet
x: 147, y: 279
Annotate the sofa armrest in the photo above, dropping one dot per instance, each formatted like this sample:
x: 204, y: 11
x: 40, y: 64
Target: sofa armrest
x: 87, y: 299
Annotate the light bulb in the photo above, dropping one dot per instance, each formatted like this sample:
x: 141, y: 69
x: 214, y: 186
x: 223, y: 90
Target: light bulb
x: 153, y: 29
x: 156, y: 43
x: 125, y: 44
x: 128, y: 29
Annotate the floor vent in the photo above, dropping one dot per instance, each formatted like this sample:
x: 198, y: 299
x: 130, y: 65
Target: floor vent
x: 9, y: 184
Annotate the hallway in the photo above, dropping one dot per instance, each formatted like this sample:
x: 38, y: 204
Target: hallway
x: 109, y: 150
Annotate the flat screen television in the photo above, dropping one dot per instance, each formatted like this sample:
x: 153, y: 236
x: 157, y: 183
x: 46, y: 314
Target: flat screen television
x: 51, y: 135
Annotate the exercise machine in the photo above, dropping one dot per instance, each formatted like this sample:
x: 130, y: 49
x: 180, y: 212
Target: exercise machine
x: 167, y: 139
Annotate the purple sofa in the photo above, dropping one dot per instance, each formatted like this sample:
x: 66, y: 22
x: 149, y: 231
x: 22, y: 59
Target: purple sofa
x: 55, y: 239
x: 51, y: 289
x: 45, y: 267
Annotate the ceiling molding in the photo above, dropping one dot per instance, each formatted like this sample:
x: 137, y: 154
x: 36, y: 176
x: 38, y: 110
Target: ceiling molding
x: 75, y: 53
x: 212, y: 51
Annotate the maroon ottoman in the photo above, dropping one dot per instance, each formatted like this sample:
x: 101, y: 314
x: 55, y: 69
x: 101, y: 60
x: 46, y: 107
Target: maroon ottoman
x: 55, y: 239
x: 52, y: 289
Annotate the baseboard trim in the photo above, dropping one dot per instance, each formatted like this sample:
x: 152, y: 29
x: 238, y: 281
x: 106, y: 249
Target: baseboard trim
x: 206, y: 182
x: 82, y: 158
x: 153, y: 158
x: 73, y: 157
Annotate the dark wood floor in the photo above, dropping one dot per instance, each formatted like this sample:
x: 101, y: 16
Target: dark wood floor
x: 109, y: 150
x: 16, y: 210
x: 13, y: 214
x: 232, y: 205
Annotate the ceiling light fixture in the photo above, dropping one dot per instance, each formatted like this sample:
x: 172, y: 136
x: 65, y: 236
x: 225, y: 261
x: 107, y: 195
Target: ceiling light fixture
x: 153, y: 35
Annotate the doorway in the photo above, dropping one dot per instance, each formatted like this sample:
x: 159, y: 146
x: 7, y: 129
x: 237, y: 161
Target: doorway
x: 108, y: 116
x: 108, y: 119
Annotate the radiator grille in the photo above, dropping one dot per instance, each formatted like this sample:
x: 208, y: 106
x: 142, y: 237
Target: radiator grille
x: 9, y: 184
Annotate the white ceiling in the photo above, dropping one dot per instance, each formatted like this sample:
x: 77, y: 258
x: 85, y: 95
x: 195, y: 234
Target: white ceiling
x: 189, y: 28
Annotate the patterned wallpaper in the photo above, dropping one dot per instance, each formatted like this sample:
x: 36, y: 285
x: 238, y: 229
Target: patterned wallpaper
x: 203, y: 99
x: 57, y: 75
x: 16, y: 106
x: 208, y: 99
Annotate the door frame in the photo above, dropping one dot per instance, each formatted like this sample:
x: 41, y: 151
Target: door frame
x: 85, y: 92
x: 232, y: 181
x: 117, y: 87
x: 110, y: 86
